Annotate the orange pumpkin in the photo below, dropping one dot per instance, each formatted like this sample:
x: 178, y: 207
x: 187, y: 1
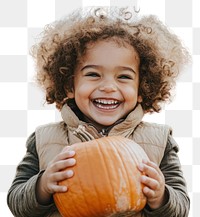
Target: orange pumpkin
x: 106, y: 180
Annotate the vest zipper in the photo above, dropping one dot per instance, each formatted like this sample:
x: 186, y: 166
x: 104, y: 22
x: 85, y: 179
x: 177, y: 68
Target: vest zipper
x: 104, y: 132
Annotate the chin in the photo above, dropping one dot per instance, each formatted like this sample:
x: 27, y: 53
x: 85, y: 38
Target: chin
x: 106, y: 124
x: 103, y: 125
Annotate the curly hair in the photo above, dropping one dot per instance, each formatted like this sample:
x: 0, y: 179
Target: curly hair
x: 161, y: 53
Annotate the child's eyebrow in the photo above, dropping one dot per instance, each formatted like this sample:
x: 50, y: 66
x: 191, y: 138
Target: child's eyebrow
x: 118, y: 67
x: 127, y: 69
x: 91, y: 66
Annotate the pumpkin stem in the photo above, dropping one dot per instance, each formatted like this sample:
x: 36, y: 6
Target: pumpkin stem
x: 82, y: 134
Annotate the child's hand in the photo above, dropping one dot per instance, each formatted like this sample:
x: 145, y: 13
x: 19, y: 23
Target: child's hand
x: 154, y: 184
x: 48, y: 182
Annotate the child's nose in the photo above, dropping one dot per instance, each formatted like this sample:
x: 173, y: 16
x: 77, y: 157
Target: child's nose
x: 108, y: 87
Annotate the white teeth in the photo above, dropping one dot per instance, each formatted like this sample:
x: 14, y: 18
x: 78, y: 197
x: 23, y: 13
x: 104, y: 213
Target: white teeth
x: 106, y: 102
x: 107, y: 107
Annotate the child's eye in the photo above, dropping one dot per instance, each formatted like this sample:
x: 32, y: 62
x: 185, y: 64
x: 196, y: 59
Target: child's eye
x: 125, y: 77
x: 92, y: 74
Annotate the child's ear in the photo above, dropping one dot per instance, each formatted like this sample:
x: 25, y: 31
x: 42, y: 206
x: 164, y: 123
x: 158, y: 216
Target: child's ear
x: 70, y: 95
x: 139, y: 99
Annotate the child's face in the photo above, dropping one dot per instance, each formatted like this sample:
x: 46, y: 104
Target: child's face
x: 106, y: 82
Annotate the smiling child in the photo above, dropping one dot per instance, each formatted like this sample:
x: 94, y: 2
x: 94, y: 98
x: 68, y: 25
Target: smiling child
x: 104, y: 72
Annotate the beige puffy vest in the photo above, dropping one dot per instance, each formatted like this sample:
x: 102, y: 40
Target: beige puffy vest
x: 52, y: 138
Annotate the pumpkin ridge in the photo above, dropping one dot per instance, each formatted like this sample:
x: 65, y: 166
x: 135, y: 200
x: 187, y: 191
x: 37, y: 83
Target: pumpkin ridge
x: 93, y: 175
x: 124, y: 167
x: 81, y: 187
x: 78, y: 178
x: 133, y: 160
x: 137, y: 159
x: 125, y: 146
x: 107, y: 170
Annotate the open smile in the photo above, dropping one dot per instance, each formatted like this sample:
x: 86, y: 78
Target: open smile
x: 107, y: 104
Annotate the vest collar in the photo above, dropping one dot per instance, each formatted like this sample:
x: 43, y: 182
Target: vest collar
x: 69, y: 117
x: 130, y: 122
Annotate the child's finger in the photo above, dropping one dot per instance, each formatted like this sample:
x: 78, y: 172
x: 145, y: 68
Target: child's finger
x: 64, y: 154
x: 150, y: 169
x: 149, y: 182
x: 66, y: 148
x: 56, y: 177
x: 149, y: 193
x: 58, y: 188
x: 154, y: 165
x: 59, y: 176
x: 150, y: 163
x: 62, y: 164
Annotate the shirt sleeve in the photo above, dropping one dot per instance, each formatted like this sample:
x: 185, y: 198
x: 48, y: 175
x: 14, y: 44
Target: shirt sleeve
x: 21, y: 196
x: 178, y: 203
